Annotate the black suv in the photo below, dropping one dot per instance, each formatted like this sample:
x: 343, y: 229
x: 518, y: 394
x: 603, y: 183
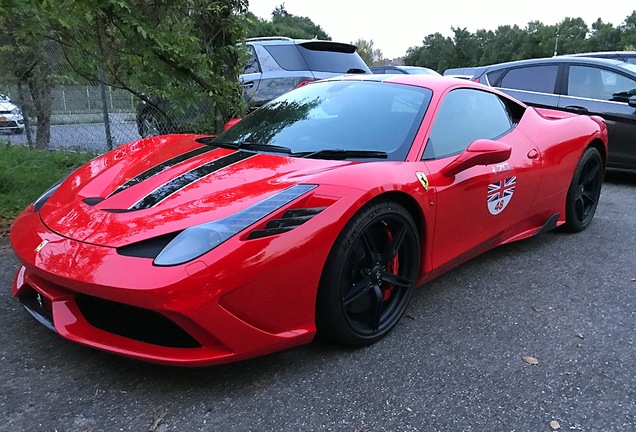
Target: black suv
x: 275, y: 66
x: 582, y: 85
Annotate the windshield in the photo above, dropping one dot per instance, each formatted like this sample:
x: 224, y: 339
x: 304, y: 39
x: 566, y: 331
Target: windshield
x: 337, y: 115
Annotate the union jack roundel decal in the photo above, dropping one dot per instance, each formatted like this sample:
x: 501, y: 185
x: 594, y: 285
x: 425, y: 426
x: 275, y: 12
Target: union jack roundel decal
x: 500, y: 194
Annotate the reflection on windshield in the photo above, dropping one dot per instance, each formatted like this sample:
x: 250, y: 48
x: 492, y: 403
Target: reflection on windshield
x: 341, y: 115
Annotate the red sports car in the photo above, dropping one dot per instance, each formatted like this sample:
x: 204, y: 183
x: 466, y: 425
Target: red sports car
x: 317, y: 213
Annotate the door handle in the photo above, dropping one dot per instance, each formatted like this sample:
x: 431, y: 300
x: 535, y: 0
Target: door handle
x: 577, y: 109
x: 533, y: 154
x: 248, y: 85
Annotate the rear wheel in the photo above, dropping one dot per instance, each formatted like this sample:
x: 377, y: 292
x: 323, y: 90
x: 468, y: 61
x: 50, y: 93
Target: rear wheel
x: 369, y: 276
x: 584, y: 192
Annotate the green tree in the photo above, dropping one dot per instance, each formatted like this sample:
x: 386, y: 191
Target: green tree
x: 572, y: 36
x: 23, y: 49
x: 368, y: 52
x: 508, y: 43
x: 284, y: 24
x: 185, y: 52
x: 628, y: 32
x: 437, y: 53
x: 539, y: 41
x: 605, y: 37
x: 467, y: 47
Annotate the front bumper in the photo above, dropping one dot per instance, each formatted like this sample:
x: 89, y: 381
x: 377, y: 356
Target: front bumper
x: 11, y: 123
x: 186, y: 315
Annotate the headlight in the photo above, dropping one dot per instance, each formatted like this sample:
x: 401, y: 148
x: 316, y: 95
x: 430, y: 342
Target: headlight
x: 16, y: 111
x: 46, y: 195
x: 198, y: 240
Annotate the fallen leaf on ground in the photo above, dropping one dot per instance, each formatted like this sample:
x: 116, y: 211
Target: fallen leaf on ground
x: 555, y: 425
x: 531, y: 360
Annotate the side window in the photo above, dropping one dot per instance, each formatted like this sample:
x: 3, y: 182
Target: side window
x: 596, y: 83
x: 252, y: 61
x: 464, y: 116
x: 541, y: 79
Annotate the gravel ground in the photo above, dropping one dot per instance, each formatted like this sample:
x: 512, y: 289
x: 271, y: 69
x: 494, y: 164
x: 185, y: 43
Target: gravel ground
x: 454, y: 363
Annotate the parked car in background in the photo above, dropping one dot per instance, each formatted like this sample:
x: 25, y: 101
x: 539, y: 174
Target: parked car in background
x: 464, y: 73
x: 626, y: 56
x: 11, y: 118
x: 275, y: 66
x: 579, y: 84
x: 410, y: 70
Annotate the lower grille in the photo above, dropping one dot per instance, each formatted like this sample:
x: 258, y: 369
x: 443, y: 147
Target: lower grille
x: 134, y: 323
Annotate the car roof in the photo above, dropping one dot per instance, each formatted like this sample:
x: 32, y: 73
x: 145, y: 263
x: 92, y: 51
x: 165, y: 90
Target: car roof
x: 479, y: 71
x: 282, y: 40
x: 601, y: 53
x: 557, y: 59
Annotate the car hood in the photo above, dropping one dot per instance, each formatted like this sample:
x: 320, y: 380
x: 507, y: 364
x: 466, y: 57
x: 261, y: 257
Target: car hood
x: 7, y: 106
x: 165, y: 184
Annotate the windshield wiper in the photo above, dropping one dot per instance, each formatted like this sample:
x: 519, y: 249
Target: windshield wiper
x: 247, y: 146
x: 338, y: 154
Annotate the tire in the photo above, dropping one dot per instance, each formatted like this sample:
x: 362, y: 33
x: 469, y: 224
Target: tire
x: 584, y: 191
x: 369, y: 276
x: 18, y: 131
x: 151, y: 123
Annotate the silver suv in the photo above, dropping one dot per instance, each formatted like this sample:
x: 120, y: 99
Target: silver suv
x: 279, y: 64
x: 275, y: 66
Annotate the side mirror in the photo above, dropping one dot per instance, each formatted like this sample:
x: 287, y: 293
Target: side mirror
x: 231, y: 123
x: 632, y: 101
x: 479, y: 152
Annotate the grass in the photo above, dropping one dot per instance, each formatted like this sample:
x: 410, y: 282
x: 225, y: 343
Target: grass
x: 25, y: 174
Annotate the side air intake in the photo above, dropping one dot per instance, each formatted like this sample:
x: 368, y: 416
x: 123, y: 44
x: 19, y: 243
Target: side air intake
x: 291, y: 219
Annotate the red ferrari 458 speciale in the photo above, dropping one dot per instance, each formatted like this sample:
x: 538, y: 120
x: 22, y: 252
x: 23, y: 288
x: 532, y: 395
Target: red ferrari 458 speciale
x: 318, y: 213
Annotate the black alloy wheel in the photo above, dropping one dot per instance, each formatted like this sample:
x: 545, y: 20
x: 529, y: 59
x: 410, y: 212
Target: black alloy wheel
x: 585, y: 190
x: 369, y: 276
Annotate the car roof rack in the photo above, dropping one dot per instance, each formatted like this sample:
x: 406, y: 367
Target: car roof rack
x: 268, y: 38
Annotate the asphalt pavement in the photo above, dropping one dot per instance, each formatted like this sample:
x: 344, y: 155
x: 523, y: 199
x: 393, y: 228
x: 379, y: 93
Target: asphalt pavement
x: 564, y: 302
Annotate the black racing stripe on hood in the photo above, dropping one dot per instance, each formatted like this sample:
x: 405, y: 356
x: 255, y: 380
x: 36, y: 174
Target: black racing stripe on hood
x: 162, y: 167
x: 185, y: 179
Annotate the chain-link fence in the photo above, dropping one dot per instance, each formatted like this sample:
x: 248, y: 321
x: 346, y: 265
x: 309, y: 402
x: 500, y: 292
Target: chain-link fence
x: 83, y: 117
x: 46, y: 106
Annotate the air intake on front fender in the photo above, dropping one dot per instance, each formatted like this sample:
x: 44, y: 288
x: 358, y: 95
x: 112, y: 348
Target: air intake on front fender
x: 291, y: 219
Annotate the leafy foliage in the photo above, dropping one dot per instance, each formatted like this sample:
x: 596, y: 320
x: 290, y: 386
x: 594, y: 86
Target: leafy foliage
x: 571, y: 35
x: 175, y: 50
x: 369, y: 53
x: 284, y: 24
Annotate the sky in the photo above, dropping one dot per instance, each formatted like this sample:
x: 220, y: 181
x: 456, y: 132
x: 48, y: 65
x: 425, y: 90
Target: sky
x: 395, y: 27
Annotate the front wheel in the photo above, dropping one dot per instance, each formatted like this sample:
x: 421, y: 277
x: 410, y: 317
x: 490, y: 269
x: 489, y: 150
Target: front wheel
x: 584, y: 191
x: 369, y: 276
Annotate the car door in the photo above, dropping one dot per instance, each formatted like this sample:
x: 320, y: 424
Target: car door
x: 476, y: 207
x: 597, y: 90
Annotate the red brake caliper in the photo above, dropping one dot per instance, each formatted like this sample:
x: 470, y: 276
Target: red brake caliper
x: 391, y: 267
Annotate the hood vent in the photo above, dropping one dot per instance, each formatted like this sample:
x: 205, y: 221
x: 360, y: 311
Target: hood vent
x: 291, y: 219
